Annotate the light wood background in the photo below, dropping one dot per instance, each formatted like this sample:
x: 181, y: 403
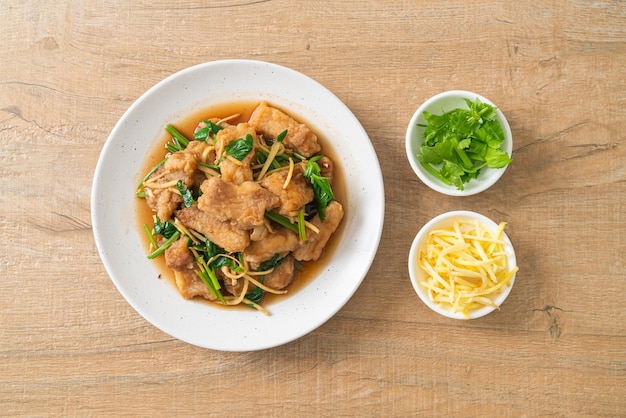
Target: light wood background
x: 71, y: 345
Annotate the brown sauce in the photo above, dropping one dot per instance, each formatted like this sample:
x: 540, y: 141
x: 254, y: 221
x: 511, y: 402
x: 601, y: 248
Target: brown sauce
x: 186, y: 126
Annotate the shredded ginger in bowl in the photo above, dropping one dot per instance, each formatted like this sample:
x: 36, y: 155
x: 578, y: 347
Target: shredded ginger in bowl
x: 466, y: 266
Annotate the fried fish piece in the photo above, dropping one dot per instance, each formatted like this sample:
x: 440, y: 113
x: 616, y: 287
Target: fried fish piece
x: 223, y: 233
x: 312, y: 248
x: 296, y: 195
x: 270, y: 122
x: 243, y: 205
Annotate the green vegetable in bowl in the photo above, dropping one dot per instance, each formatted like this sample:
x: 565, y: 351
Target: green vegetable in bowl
x: 459, y: 143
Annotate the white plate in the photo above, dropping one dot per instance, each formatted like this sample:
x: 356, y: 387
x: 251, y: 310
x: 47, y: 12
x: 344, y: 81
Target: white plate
x: 122, y: 249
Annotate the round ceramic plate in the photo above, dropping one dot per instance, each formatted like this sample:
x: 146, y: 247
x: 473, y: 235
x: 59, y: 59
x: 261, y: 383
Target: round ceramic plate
x: 122, y: 248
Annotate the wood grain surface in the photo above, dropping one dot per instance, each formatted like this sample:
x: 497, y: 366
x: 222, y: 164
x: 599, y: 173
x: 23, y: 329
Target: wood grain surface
x: 70, y: 345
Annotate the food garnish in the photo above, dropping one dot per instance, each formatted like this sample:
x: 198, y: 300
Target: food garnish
x: 466, y: 263
x: 239, y: 148
x: 208, y: 131
x: 459, y: 143
x: 321, y: 186
x: 186, y: 194
x: 178, y: 142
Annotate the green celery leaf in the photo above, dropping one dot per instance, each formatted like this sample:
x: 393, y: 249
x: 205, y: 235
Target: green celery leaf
x: 273, y: 262
x: 491, y: 132
x: 453, y: 172
x: 462, y: 123
x: 480, y: 110
x: 448, y: 149
x: 165, y: 228
x: 321, y: 186
x: 239, y: 148
x: 497, y: 158
x: 256, y: 295
x: 429, y: 155
x: 212, y: 249
x: 436, y: 126
x: 221, y: 262
x: 268, y: 264
x: 209, y: 129
x: 465, y: 143
x: 188, y: 199
x: 178, y: 142
x: 281, y: 136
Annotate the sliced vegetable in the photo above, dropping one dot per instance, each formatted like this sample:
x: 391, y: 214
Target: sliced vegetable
x: 281, y: 136
x: 321, y: 186
x: 270, y: 160
x: 164, y: 246
x: 209, y: 131
x: 165, y: 228
x: 239, y: 148
x: 256, y: 296
x: 465, y: 262
x: 301, y: 226
x: 188, y: 199
x: 150, y: 235
x: 272, y: 263
x: 147, y: 176
x: 207, y: 275
x: 459, y: 143
x: 282, y: 220
x: 179, y: 142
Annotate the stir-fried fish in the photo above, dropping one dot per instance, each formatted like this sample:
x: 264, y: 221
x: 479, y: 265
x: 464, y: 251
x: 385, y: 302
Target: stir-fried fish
x: 293, y: 197
x: 230, y: 197
x: 282, y: 275
x: 311, y: 250
x: 240, y: 171
x: 161, y: 196
x: 243, y: 205
x: 181, y: 260
x: 280, y: 242
x: 271, y: 122
x: 224, y: 234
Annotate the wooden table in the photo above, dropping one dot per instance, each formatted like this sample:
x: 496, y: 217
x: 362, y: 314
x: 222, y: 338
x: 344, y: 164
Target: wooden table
x: 71, y: 345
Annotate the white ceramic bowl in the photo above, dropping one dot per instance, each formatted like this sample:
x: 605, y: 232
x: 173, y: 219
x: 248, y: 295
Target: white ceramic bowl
x: 122, y: 248
x: 439, y: 104
x: 417, y: 274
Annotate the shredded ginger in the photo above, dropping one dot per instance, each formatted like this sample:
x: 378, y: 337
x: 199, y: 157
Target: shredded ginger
x: 466, y: 265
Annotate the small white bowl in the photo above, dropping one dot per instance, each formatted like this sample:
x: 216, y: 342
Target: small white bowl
x: 417, y: 274
x: 439, y: 104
